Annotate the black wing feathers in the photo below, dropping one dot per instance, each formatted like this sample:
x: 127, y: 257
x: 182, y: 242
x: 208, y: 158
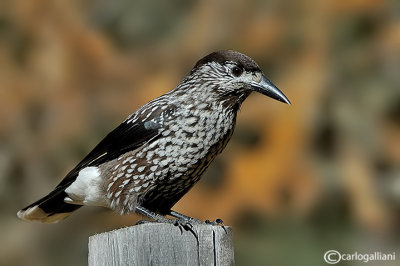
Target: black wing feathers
x: 124, y: 138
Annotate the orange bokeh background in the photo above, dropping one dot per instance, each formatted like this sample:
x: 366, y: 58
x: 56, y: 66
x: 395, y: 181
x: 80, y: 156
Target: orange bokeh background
x: 294, y: 182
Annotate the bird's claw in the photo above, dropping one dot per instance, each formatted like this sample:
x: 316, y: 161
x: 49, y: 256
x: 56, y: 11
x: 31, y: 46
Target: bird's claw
x: 184, y: 224
x: 217, y: 221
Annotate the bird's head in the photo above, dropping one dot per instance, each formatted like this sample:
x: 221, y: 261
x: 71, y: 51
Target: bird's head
x: 231, y: 73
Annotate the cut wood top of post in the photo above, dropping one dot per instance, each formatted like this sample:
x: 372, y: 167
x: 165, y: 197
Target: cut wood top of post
x: 163, y: 244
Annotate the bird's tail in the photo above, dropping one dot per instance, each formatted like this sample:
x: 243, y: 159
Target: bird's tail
x: 49, y: 209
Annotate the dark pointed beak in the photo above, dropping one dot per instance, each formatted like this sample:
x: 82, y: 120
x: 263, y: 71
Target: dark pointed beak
x: 267, y: 88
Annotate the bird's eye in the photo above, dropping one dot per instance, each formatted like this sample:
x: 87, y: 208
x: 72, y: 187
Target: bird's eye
x: 237, y: 71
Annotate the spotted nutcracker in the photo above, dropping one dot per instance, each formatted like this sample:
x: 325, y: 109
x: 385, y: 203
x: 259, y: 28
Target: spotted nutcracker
x: 160, y: 151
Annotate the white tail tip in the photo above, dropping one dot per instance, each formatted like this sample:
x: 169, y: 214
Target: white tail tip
x: 37, y: 214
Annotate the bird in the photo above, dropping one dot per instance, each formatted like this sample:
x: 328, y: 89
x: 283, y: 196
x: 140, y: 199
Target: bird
x: 156, y: 155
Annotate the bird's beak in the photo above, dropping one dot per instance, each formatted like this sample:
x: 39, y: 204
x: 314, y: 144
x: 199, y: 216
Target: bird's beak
x: 267, y: 88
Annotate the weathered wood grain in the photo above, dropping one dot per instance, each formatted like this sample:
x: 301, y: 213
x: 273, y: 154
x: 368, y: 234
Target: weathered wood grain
x: 162, y: 244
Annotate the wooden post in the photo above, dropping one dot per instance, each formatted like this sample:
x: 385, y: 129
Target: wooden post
x: 162, y: 244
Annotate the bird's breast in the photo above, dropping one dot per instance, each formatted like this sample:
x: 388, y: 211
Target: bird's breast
x: 173, y: 162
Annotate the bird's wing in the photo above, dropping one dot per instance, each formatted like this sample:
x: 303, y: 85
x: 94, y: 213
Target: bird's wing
x: 126, y: 137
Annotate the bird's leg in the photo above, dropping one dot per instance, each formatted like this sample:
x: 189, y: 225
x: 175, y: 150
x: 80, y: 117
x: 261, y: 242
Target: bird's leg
x: 184, y: 217
x: 155, y: 216
x: 180, y: 222
x: 194, y: 220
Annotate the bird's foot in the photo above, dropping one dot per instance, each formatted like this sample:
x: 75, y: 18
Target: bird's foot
x: 194, y: 220
x: 182, y: 221
x: 217, y: 221
x: 184, y: 217
x: 184, y: 224
x: 191, y: 220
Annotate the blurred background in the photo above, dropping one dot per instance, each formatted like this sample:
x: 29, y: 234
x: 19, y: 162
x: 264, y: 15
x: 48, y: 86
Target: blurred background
x: 294, y: 182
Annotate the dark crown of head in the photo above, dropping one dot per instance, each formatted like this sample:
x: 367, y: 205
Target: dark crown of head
x: 221, y: 57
